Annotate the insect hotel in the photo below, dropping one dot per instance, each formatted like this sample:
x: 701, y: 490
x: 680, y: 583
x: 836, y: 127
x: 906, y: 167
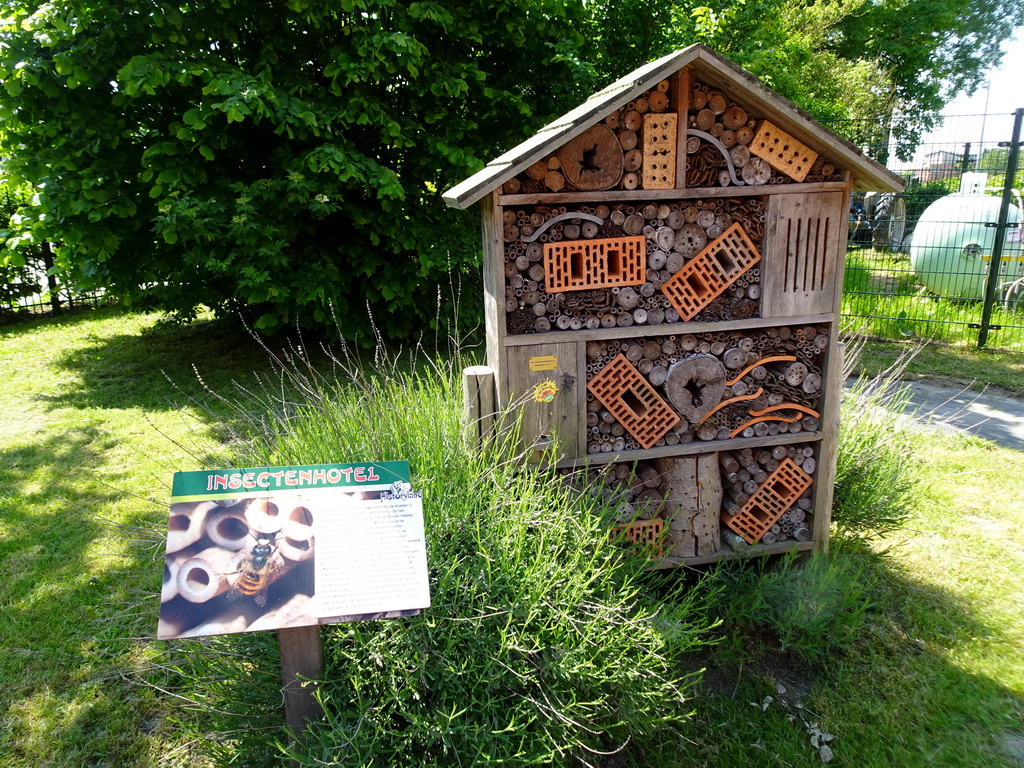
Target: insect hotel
x: 663, y: 270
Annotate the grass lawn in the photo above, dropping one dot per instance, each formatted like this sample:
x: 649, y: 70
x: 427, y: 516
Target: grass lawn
x: 937, y: 679
x: 960, y: 364
x: 93, y: 431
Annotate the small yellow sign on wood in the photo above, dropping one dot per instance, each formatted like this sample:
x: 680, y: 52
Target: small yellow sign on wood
x: 544, y: 363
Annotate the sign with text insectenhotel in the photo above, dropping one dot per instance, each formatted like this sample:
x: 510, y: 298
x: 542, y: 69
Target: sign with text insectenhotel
x: 274, y: 547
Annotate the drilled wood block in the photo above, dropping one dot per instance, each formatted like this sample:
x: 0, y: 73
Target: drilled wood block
x: 710, y: 272
x: 631, y: 399
x: 659, y: 151
x: 648, y: 535
x: 782, y: 152
x: 772, y: 499
x: 576, y: 265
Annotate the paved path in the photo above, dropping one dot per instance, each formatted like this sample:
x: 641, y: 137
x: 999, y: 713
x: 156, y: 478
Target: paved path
x: 995, y: 417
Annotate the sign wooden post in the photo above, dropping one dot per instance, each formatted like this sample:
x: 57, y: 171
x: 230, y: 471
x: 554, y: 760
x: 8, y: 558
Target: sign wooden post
x: 301, y: 668
x: 289, y: 549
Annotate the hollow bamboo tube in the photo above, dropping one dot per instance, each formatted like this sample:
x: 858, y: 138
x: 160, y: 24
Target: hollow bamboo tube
x: 185, y: 527
x: 228, y: 529
x: 204, y: 576
x: 263, y: 516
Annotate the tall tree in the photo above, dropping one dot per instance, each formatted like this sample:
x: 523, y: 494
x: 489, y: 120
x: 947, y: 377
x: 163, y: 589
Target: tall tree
x: 285, y: 157
x: 882, y: 66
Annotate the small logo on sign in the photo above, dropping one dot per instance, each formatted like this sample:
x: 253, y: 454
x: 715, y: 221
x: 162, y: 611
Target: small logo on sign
x: 545, y: 391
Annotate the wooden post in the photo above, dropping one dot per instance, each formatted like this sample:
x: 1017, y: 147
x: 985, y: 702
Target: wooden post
x: 828, y: 448
x: 301, y: 661
x: 479, y: 405
x: 683, y: 86
x: 51, y: 280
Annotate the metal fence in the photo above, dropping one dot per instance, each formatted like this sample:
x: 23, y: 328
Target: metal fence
x: 943, y: 260
x: 26, y: 294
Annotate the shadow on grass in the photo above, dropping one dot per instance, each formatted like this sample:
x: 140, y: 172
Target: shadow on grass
x: 136, y: 369
x: 56, y: 546
x: 895, y: 697
x: 76, y: 587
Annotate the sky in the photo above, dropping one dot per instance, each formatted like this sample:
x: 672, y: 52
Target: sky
x: 999, y: 97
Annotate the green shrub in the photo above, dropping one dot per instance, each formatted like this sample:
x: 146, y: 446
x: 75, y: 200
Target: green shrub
x: 811, y: 608
x: 542, y: 646
x: 274, y: 159
x: 878, y: 480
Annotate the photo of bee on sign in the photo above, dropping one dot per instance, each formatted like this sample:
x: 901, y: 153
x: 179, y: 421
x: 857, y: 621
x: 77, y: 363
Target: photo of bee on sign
x: 238, y: 564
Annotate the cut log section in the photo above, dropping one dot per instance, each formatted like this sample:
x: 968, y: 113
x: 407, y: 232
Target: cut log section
x: 756, y: 171
x: 692, y: 489
x: 592, y: 160
x: 695, y: 385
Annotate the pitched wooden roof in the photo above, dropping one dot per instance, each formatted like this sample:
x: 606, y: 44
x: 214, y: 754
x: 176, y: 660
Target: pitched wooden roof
x: 734, y: 81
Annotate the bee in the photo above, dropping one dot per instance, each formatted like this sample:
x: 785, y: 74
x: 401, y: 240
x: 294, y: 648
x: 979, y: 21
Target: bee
x: 256, y: 569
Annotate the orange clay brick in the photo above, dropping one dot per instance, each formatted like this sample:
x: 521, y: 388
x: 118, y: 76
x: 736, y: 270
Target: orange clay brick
x: 576, y: 265
x: 648, y: 535
x: 782, y: 152
x: 775, y: 496
x: 632, y: 400
x: 706, y: 276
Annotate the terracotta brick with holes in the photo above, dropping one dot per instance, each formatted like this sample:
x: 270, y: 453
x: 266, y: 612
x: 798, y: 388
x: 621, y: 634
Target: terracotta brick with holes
x: 782, y: 152
x: 648, y: 535
x: 706, y: 276
x: 775, y: 496
x: 631, y: 399
x: 576, y: 265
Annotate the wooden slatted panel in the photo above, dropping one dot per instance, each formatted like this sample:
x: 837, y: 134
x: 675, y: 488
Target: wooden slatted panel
x: 710, y: 272
x: 802, y: 254
x: 782, y: 152
x: 660, y: 150
x: 772, y: 499
x: 631, y: 399
x: 576, y: 265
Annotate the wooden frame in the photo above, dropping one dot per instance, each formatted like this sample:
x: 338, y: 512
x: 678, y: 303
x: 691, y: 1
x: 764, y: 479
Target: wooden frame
x: 543, y: 372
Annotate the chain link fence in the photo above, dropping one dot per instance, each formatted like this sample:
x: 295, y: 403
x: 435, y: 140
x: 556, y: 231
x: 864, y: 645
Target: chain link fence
x: 943, y: 260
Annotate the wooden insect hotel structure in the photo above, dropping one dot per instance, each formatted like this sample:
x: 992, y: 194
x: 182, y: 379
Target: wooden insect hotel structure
x: 663, y: 271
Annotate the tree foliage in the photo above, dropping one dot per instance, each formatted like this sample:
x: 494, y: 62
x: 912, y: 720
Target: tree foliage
x: 886, y: 67
x: 287, y: 157
x: 284, y: 157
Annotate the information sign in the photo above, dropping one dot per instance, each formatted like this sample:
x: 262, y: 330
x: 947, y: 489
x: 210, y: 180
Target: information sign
x: 279, y: 547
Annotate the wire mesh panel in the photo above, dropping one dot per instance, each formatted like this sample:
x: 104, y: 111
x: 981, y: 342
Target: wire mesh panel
x: 918, y: 263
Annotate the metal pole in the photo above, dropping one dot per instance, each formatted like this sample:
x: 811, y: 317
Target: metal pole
x: 965, y: 160
x: 1004, y: 212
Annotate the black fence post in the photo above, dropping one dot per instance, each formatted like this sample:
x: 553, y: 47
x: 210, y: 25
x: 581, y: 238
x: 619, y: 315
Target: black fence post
x: 51, y: 279
x: 965, y: 160
x: 997, y: 248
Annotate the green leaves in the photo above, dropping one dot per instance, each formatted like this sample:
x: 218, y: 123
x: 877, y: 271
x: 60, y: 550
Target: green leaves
x: 276, y: 159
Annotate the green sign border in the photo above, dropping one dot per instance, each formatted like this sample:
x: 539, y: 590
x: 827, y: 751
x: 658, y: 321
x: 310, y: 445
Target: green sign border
x: 229, y: 483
